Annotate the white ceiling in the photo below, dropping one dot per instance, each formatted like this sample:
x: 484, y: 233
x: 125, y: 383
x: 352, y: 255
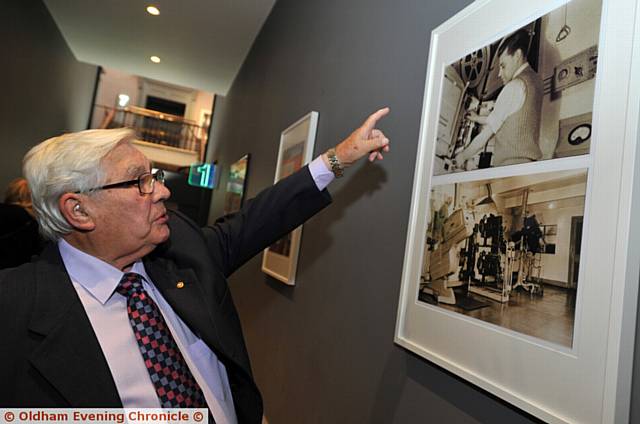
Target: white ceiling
x: 202, y: 43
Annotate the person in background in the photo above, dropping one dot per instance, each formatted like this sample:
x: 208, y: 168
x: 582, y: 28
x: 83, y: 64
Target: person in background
x: 18, y: 193
x: 130, y: 306
x: 19, y: 238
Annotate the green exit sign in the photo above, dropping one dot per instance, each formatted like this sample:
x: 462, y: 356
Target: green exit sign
x: 202, y: 175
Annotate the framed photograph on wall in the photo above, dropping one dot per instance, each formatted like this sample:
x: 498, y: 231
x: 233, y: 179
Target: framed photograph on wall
x: 521, y: 271
x: 280, y: 260
x: 234, y: 194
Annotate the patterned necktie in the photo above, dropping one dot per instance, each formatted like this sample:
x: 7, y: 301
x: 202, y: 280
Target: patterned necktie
x: 174, y: 383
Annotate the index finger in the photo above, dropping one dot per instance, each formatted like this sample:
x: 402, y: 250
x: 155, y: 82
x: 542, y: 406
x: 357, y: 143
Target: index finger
x: 373, y: 119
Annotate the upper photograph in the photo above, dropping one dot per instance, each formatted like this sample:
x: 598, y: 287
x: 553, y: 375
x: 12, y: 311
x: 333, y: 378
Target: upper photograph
x: 525, y: 97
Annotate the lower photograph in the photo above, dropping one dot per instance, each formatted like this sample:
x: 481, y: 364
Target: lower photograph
x: 507, y: 251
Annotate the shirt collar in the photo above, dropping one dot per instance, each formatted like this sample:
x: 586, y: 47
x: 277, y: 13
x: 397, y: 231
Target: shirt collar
x: 99, y: 278
x: 520, y: 69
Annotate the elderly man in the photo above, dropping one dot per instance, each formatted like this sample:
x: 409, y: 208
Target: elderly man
x: 130, y: 307
x: 515, y: 119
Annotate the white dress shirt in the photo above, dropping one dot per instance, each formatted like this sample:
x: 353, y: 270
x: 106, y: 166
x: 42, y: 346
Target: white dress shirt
x: 95, y: 282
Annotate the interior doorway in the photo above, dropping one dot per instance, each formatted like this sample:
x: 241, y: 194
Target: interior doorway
x: 574, y: 251
x: 165, y: 106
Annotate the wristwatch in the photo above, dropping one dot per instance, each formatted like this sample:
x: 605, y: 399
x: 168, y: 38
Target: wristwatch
x: 334, y: 162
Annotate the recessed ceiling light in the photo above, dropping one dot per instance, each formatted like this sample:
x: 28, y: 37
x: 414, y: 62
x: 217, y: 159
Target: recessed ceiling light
x: 155, y: 59
x: 152, y: 10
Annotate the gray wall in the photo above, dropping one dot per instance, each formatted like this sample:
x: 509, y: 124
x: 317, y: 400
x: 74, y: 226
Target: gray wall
x: 323, y: 351
x: 45, y: 90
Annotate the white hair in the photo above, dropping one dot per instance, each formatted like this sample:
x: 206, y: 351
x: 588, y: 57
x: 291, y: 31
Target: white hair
x: 68, y: 163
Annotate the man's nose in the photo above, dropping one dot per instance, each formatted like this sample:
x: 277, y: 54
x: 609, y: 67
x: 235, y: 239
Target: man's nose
x: 161, y: 192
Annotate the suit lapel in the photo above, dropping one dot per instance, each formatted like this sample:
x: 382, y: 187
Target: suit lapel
x: 69, y: 356
x: 181, y: 289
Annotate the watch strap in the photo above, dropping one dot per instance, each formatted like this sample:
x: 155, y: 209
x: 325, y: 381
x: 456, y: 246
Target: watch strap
x: 334, y: 162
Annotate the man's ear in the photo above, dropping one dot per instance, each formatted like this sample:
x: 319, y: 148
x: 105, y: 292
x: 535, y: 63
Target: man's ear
x: 71, y: 207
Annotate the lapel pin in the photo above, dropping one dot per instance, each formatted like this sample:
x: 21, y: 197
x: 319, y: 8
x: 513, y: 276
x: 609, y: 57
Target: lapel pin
x: 180, y: 284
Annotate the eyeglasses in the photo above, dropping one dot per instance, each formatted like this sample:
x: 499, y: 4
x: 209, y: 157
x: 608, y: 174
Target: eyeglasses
x: 145, y: 182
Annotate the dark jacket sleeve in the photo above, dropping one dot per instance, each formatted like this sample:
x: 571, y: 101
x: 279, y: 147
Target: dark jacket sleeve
x: 16, y: 303
x: 236, y: 238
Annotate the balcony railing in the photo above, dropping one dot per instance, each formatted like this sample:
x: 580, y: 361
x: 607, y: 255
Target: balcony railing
x: 156, y: 127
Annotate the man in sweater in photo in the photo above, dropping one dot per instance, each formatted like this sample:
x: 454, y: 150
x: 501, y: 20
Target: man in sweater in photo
x: 515, y: 119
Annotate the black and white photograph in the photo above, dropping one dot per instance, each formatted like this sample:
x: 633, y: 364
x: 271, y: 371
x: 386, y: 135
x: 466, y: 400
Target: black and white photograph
x: 514, y: 275
x: 507, y: 251
x: 526, y: 97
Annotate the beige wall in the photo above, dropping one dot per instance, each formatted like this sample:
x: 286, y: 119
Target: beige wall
x: 113, y: 83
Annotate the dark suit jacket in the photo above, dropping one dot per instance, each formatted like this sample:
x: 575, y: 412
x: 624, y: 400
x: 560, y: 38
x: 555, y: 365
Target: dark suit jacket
x: 50, y: 356
x: 19, y: 238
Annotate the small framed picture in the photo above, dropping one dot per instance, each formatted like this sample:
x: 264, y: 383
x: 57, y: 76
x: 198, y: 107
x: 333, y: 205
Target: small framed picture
x: 236, y: 183
x: 550, y: 230
x: 280, y: 260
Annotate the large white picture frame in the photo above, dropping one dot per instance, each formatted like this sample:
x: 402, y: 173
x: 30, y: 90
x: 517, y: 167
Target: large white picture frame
x: 280, y: 260
x: 587, y: 378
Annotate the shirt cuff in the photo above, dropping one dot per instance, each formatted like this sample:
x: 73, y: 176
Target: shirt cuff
x: 321, y: 175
